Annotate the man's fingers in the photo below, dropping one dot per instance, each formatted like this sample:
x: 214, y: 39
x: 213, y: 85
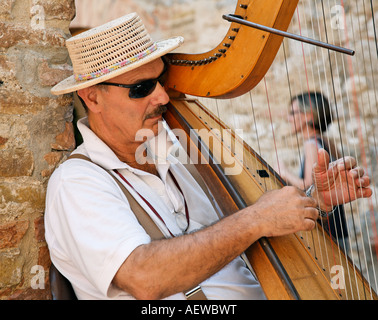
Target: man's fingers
x: 311, y: 213
x: 309, y: 202
x: 346, y: 163
x: 364, y: 192
x: 308, y: 224
x: 362, y: 182
x: 357, y: 172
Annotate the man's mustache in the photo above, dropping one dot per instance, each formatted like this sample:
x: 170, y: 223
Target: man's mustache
x: 157, y: 112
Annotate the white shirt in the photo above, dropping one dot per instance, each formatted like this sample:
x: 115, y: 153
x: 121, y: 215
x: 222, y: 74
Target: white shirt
x: 91, y: 230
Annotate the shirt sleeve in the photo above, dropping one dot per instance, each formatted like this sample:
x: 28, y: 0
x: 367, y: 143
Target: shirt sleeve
x: 90, y: 219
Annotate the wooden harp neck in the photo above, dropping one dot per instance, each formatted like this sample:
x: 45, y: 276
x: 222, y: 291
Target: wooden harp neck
x: 240, y: 61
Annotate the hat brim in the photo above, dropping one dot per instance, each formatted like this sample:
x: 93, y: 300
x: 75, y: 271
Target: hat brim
x: 70, y: 84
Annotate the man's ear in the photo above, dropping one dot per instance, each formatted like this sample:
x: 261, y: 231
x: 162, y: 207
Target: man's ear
x: 90, y: 97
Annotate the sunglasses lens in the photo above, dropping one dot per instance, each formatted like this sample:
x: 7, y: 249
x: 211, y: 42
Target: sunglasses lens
x: 143, y: 89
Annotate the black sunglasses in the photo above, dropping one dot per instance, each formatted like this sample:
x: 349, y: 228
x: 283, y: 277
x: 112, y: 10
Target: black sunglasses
x: 141, y: 89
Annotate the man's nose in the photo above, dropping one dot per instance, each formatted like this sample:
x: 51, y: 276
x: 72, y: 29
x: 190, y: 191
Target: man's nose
x: 159, y: 95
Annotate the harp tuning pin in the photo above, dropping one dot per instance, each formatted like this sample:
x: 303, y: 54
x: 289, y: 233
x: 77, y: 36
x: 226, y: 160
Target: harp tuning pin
x: 244, y: 6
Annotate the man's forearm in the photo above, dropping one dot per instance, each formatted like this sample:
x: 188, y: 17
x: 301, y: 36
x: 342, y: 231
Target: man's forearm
x: 165, y: 267
x: 169, y: 266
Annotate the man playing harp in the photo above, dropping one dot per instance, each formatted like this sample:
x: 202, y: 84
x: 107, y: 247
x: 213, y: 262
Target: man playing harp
x: 93, y: 235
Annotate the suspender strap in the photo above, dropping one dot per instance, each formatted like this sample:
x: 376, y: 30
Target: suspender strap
x: 147, y: 223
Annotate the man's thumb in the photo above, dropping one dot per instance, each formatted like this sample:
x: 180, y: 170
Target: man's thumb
x: 323, y: 161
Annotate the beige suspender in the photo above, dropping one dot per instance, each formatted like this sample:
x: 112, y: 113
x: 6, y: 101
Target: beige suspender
x: 148, y: 224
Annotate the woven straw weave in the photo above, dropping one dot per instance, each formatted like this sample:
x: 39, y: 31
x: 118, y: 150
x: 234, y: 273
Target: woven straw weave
x: 109, y: 44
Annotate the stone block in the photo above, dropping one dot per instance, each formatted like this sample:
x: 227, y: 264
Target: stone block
x: 3, y: 141
x: 51, y: 75
x: 16, y: 163
x: 17, y: 101
x: 16, y: 33
x: 10, y: 268
x: 65, y: 141
x: 53, y: 158
x: 39, y: 229
x: 7, y: 67
x: 6, y: 7
x: 22, y: 194
x: 44, y: 258
x: 32, y: 294
x: 56, y: 9
x: 11, y: 233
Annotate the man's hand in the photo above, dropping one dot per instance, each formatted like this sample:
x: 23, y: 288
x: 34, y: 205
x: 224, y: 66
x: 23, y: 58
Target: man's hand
x: 338, y: 182
x: 285, y: 211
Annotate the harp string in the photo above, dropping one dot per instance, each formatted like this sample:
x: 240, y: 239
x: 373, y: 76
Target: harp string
x: 270, y: 118
x: 374, y: 29
x: 255, y: 121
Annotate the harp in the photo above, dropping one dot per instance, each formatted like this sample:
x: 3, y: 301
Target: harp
x: 307, y: 265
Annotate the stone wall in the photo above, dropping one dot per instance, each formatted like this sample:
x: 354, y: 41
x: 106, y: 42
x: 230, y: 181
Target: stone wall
x: 35, y: 134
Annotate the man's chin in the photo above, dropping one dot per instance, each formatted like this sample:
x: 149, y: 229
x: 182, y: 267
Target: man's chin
x: 153, y: 127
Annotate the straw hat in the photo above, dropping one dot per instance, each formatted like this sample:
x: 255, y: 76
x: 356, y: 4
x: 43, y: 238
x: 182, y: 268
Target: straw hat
x: 110, y: 50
